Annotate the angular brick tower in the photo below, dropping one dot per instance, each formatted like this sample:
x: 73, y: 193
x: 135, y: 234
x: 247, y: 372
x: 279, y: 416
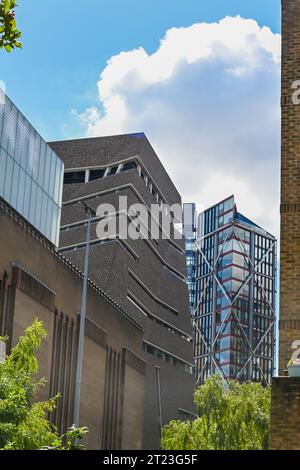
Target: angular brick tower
x: 290, y: 182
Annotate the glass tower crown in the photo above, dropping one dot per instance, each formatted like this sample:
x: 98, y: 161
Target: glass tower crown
x: 31, y: 174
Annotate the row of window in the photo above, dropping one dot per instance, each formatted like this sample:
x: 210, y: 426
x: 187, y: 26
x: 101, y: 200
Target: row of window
x: 222, y: 315
x: 82, y: 176
x: 236, y: 343
x: 234, y: 245
x: 164, y: 356
x: 266, y: 365
x: 157, y: 320
x: 203, y: 366
x: 203, y: 339
x: 87, y: 175
x: 231, y: 272
x: 231, y: 356
x: 219, y: 215
x: 233, y: 257
x: 230, y: 327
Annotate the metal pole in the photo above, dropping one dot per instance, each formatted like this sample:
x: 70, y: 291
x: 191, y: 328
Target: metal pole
x: 82, y: 321
x: 159, y: 403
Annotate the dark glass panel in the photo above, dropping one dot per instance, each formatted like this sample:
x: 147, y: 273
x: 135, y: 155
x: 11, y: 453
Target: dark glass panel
x: 73, y: 177
x: 96, y: 174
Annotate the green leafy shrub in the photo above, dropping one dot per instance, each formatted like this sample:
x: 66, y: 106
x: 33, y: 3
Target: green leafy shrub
x: 24, y: 423
x: 233, y: 417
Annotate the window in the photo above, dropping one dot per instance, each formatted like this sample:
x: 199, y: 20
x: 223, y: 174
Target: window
x: 167, y: 358
x: 73, y: 177
x: 228, y: 217
x: 228, y: 204
x: 113, y: 170
x: 225, y: 274
x: 96, y: 174
x: 129, y: 166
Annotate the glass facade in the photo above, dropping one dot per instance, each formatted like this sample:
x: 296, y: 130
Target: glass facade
x: 31, y: 174
x: 190, y: 234
x: 235, y: 314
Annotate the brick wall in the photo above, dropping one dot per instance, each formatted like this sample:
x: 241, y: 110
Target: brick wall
x: 290, y: 184
x: 285, y: 418
x: 285, y: 414
x: 29, y: 272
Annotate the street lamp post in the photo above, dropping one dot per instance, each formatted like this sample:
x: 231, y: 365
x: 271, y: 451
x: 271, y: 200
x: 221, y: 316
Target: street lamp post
x: 159, y: 402
x: 89, y: 214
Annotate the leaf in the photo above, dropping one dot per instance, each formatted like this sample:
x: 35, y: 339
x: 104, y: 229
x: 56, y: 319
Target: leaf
x: 9, y: 33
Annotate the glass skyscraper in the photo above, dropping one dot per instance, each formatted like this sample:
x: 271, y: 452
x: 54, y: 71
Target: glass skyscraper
x: 234, y: 318
x: 31, y: 174
x: 190, y: 235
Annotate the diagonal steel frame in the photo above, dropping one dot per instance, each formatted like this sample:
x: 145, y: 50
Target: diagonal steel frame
x: 212, y: 272
x: 257, y: 346
x: 231, y: 301
x: 224, y: 378
x: 209, y: 349
x: 255, y: 266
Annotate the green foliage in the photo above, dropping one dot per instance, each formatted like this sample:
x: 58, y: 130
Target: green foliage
x: 23, y: 420
x: 9, y: 33
x: 236, y: 417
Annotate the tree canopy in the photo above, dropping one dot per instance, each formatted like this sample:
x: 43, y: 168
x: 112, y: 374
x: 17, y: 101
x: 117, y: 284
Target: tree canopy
x: 24, y: 423
x: 233, y: 417
x: 9, y: 32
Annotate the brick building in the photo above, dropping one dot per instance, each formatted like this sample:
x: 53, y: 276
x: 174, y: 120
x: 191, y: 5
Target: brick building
x: 289, y: 326
x: 137, y: 334
x: 146, y: 277
x: 36, y: 281
x: 51, y: 291
x: 285, y: 418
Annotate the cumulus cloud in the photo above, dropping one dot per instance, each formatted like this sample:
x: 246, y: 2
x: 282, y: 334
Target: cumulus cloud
x: 208, y: 100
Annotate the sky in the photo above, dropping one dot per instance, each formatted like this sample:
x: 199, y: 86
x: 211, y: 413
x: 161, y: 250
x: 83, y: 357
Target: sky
x: 200, y: 77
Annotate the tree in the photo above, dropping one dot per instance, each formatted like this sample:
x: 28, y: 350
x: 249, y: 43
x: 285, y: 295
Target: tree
x: 24, y: 424
x: 233, y: 417
x: 9, y: 33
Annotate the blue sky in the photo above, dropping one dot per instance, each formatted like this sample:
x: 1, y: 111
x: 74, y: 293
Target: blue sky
x: 67, y: 43
x: 204, y: 89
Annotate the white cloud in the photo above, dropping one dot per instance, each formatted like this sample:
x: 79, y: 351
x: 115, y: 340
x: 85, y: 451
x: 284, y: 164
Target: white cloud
x: 208, y: 100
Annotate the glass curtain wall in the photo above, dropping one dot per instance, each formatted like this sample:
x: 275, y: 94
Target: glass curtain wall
x: 190, y: 234
x: 31, y: 174
x: 235, y: 316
